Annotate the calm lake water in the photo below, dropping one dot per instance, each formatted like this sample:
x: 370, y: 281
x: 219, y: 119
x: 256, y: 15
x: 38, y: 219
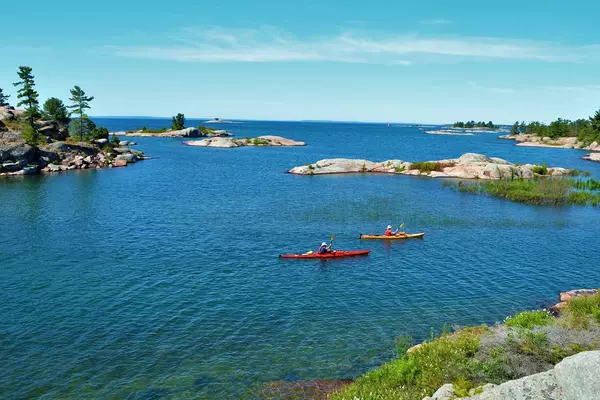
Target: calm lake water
x: 161, y: 280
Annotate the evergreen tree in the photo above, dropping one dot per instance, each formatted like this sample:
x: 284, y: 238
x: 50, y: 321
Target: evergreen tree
x: 83, y: 128
x: 31, y: 135
x: 515, y: 130
x: 178, y: 122
x: 56, y: 110
x: 3, y: 98
x: 523, y: 127
x: 80, y: 104
x: 27, y: 95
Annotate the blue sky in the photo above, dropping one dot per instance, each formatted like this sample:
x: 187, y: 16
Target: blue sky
x: 427, y: 61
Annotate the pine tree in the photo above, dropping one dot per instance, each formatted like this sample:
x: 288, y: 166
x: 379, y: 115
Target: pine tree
x: 27, y: 95
x: 80, y: 104
x: 3, y: 98
x: 178, y: 122
x: 55, y: 109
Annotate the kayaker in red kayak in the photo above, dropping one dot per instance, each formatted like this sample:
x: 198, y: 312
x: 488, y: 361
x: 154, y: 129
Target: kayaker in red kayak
x: 324, y: 249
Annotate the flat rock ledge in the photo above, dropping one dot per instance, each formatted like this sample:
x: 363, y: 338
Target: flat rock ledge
x: 529, y: 140
x: 468, y: 166
x: 574, y: 378
x: 592, y: 157
x: 261, y: 141
x: 182, y: 133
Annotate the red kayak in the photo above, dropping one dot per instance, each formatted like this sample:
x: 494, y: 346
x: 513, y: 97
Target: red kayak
x: 333, y: 254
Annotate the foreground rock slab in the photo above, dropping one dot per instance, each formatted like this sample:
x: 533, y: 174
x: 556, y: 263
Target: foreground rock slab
x: 574, y: 378
x: 467, y: 166
x: 265, y: 141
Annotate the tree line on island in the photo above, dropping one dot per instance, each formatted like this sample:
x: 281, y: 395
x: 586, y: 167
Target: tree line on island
x: 586, y: 131
x: 473, y: 124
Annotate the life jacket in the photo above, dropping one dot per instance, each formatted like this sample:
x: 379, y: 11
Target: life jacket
x: 322, y: 250
x: 388, y: 232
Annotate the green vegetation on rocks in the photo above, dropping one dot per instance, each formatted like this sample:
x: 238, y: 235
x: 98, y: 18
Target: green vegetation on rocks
x: 80, y: 104
x: 473, y: 124
x: 528, y: 343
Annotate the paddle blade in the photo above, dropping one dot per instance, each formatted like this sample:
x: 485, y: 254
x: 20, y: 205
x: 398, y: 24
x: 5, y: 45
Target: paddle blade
x: 332, y: 237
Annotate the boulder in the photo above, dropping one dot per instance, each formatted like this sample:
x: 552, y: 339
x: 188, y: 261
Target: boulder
x: 102, y: 141
x: 578, y: 375
x: 446, y: 392
x: 87, y: 160
x: 491, y: 171
x: 3, y: 127
x: 52, y: 129
x: 7, y: 115
x: 595, y: 146
x: 128, y: 157
x: 121, y: 150
x: 52, y: 168
x: 30, y: 170
x: 119, y: 163
x: 16, y: 151
x: 525, y: 172
x: 14, y: 166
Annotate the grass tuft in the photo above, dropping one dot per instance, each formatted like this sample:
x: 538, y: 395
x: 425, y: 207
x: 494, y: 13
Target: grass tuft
x: 529, y: 319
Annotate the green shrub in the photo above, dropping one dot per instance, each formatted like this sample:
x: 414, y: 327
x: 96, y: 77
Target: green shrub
x: 529, y: 319
x: 540, y: 169
x: 581, y: 310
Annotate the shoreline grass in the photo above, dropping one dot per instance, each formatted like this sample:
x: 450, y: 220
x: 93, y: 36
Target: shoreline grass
x: 540, y: 191
x: 527, y: 343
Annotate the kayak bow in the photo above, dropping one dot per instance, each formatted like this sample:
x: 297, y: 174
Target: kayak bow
x: 393, y: 237
x: 334, y: 254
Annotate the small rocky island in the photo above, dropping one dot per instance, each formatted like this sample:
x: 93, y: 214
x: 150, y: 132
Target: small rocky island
x: 261, y: 141
x: 468, y: 166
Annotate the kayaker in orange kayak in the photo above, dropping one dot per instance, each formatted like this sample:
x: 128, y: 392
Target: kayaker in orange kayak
x: 389, y: 232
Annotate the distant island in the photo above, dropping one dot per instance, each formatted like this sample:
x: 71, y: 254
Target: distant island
x: 472, y: 124
x: 46, y: 139
x: 177, y: 130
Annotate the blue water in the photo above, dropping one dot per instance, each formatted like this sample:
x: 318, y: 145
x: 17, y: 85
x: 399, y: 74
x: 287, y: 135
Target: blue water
x: 161, y: 280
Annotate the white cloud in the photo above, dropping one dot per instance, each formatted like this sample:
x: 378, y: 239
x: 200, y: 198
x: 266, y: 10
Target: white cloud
x: 271, y: 45
x: 435, y: 21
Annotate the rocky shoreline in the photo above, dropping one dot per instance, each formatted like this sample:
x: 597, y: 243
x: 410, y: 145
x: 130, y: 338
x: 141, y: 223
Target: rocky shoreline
x: 260, y: 141
x: 529, y: 140
x: 18, y: 158
x: 592, y: 157
x: 468, y: 166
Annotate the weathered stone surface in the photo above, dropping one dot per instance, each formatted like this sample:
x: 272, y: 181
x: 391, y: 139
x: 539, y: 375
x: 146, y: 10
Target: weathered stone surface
x: 578, y: 375
x: 16, y: 151
x: 446, y: 392
x: 13, y: 166
x: 120, y: 163
x: 529, y: 140
x: 102, y: 141
x: 571, y: 294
